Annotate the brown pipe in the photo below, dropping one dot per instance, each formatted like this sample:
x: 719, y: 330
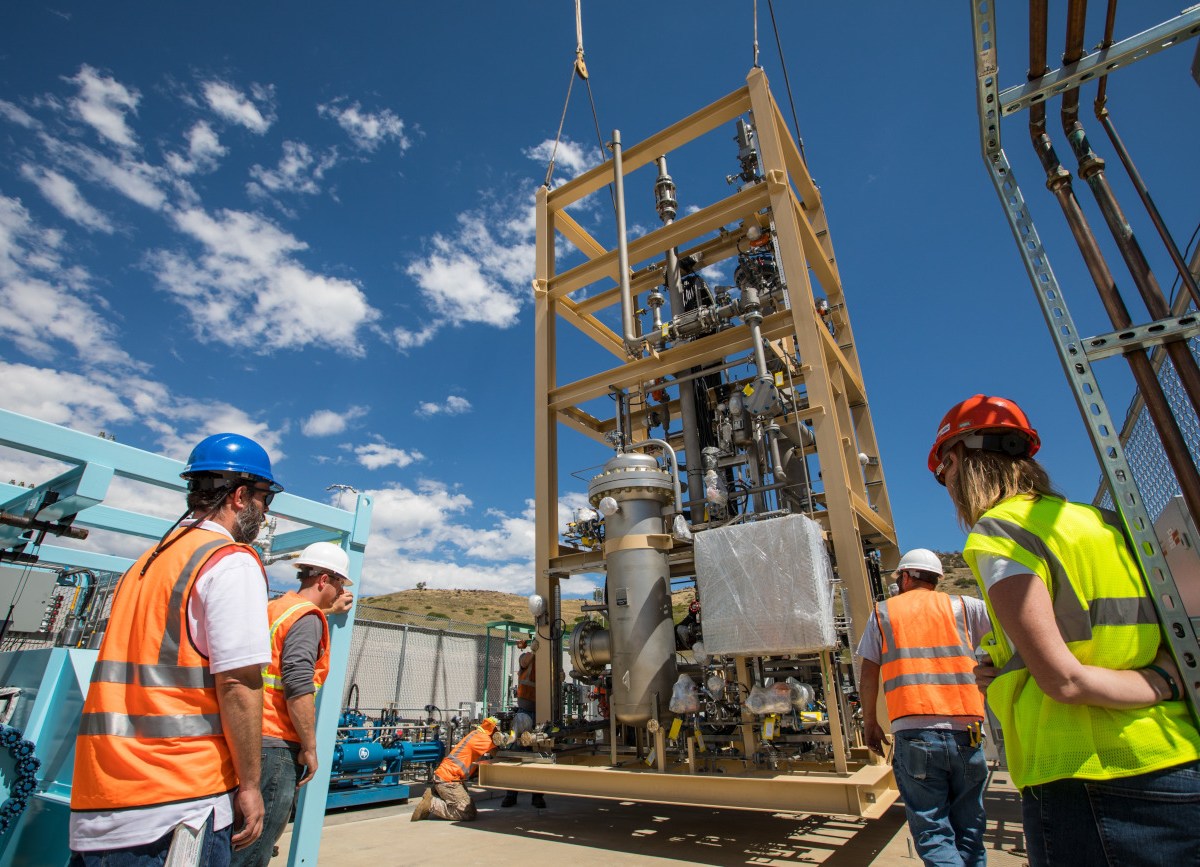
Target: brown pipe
x: 1058, y: 180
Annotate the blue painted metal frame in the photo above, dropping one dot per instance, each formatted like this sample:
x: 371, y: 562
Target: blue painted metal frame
x: 82, y: 488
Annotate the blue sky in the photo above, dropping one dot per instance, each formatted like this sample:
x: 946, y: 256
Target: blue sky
x: 313, y: 224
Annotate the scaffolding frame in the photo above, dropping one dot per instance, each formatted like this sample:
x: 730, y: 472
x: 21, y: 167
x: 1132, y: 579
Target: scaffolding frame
x: 857, y: 511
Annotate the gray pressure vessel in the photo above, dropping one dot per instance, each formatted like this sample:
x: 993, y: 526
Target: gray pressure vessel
x: 642, y: 635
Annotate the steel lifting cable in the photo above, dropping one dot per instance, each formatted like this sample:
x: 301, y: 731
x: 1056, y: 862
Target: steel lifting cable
x: 578, y: 68
x: 783, y: 63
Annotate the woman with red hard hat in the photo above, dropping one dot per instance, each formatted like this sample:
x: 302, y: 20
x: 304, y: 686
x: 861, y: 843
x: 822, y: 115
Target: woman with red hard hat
x: 1097, y: 736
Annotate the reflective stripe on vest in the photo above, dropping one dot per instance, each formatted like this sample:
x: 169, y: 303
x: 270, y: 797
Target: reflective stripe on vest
x: 921, y: 678
x: 284, y: 613
x: 471, y: 748
x: 1104, y: 615
x: 150, y: 732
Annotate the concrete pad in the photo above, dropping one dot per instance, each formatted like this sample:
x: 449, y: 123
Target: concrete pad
x: 583, y: 831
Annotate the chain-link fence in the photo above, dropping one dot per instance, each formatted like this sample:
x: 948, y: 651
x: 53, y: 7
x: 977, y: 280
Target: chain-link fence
x: 412, y: 662
x: 1152, y: 471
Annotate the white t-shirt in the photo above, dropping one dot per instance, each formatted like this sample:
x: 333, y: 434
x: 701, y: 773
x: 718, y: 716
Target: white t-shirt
x: 227, y: 619
x: 978, y: 625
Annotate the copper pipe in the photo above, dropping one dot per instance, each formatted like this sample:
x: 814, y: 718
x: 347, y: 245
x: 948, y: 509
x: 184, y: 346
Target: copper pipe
x: 1103, y: 115
x: 1091, y: 170
x: 1058, y: 181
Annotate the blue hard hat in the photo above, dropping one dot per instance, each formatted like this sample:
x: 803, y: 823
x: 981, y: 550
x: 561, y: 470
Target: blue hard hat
x: 230, y: 454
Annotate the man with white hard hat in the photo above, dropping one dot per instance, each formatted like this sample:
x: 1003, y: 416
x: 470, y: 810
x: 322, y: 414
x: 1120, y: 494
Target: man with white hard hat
x: 299, y: 664
x: 922, y: 642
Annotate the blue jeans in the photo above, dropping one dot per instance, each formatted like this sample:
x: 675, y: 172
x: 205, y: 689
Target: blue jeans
x: 280, y: 773
x: 941, y: 778
x: 214, y: 851
x: 1151, y: 819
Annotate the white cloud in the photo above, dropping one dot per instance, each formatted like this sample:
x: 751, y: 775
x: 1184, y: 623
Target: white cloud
x: 62, y: 397
x: 203, y: 153
x: 64, y: 195
x: 509, y: 539
x: 415, y: 520
x: 44, y: 301
x: 234, y: 106
x: 248, y: 289
x: 454, y: 405
x: 327, y: 422
x: 368, y: 130
x: 18, y: 115
x: 134, y: 179
x: 376, y: 456
x: 570, y: 159
x: 299, y: 171
x: 102, y: 103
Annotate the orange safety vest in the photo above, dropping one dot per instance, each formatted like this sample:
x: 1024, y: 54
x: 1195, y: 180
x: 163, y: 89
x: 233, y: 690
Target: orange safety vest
x: 283, y: 614
x: 927, y: 658
x: 460, y: 765
x: 527, y: 677
x: 151, y: 727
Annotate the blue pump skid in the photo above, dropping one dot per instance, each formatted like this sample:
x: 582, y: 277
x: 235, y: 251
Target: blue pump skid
x: 369, y: 758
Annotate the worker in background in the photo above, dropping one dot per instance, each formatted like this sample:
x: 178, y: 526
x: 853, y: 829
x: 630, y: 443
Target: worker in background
x: 169, y: 742
x: 447, y: 796
x: 923, y: 642
x: 299, y: 664
x: 526, y: 704
x: 1098, y: 737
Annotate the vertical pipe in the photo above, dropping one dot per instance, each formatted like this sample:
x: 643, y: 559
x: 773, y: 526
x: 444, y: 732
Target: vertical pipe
x: 1143, y: 192
x: 1058, y: 180
x: 1091, y: 170
x: 631, y: 339
x: 687, y: 390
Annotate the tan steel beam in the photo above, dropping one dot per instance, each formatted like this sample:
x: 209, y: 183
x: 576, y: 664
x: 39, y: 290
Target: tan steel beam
x: 739, y: 206
x: 866, y: 791
x: 692, y: 126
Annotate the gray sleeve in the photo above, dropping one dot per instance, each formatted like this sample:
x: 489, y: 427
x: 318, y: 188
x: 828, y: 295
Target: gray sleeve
x: 978, y: 623
x: 869, y: 646
x: 300, y: 649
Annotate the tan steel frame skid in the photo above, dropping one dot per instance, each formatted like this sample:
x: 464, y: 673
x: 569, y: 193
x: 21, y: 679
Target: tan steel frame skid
x: 855, y: 496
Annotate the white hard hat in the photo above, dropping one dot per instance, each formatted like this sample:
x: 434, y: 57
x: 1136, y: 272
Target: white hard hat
x: 921, y: 559
x: 328, y: 557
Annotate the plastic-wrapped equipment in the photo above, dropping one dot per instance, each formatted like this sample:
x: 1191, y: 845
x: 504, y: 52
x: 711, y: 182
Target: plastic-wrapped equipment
x: 767, y: 588
x: 769, y: 698
x: 683, y: 696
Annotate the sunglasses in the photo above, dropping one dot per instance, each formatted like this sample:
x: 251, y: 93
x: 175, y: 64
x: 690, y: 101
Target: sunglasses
x: 268, y: 494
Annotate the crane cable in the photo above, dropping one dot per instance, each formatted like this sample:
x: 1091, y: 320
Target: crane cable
x: 783, y: 63
x: 578, y: 68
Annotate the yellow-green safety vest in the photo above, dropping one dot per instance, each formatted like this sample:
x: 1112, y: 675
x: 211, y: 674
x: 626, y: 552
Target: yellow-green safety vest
x: 1106, y: 618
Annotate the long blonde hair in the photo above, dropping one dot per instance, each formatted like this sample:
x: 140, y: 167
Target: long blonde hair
x: 986, y: 478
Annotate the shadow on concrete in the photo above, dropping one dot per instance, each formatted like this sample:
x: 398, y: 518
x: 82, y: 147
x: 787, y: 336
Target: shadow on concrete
x: 699, y: 835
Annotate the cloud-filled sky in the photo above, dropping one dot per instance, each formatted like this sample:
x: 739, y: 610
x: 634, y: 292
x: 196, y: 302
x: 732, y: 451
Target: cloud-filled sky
x: 317, y: 229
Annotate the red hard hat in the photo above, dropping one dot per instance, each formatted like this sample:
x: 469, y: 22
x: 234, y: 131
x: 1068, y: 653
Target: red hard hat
x: 983, y: 413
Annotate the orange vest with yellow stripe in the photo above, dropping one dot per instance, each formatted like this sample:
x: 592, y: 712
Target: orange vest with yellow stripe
x: 283, y: 614
x: 151, y: 727
x: 460, y: 765
x: 927, y: 659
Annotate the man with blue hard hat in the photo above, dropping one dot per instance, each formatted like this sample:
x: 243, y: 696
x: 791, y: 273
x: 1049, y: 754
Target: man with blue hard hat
x: 167, y: 758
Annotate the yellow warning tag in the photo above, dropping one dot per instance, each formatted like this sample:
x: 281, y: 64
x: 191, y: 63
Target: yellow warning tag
x: 700, y: 741
x: 650, y: 757
x: 666, y: 331
x: 779, y: 379
x: 768, y: 730
x: 675, y: 727
x: 748, y: 390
